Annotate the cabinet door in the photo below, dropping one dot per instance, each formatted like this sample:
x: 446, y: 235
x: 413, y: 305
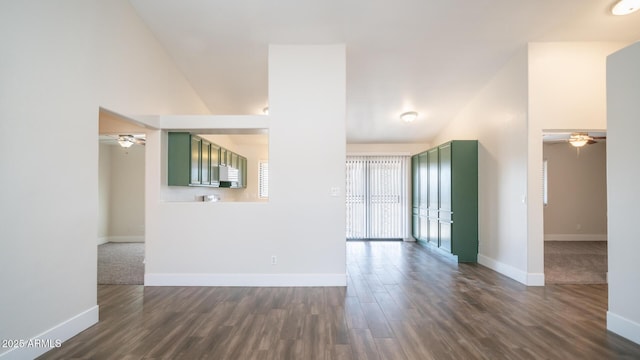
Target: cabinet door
x: 415, y: 223
x: 223, y: 156
x: 195, y: 160
x: 243, y: 172
x: 424, y: 180
x: 205, y: 163
x: 445, y: 214
x: 179, y: 159
x: 215, y: 165
x: 234, y: 161
x: 433, y: 203
x: 415, y: 181
x: 445, y: 235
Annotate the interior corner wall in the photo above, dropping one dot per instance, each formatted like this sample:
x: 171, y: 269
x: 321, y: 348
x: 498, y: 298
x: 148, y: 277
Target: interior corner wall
x: 297, y: 238
x: 623, y: 171
x: 497, y: 118
x: 61, y: 61
x: 566, y: 91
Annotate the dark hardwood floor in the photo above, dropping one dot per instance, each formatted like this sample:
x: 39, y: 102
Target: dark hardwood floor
x: 403, y: 301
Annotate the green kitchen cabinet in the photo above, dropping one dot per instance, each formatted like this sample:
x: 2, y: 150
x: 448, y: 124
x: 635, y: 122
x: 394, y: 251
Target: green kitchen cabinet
x: 205, y: 162
x: 433, y: 202
x: 451, y: 183
x: 183, y: 160
x: 215, y: 165
x: 194, y: 161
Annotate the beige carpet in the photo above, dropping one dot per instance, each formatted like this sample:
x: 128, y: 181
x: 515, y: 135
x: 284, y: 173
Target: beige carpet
x: 121, y: 263
x: 575, y: 262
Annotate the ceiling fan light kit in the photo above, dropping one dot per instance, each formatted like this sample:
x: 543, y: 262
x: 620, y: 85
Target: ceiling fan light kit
x: 579, y: 140
x: 625, y: 7
x: 409, y: 116
x: 126, y: 141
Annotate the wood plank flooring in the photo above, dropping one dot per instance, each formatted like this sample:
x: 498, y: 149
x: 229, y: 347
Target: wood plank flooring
x: 403, y: 301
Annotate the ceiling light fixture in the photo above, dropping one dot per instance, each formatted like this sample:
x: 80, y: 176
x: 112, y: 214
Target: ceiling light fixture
x: 625, y: 7
x: 125, y: 141
x: 579, y: 140
x: 409, y: 116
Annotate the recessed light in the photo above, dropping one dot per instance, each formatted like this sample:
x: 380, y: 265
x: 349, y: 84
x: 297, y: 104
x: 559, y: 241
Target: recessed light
x: 409, y: 116
x: 625, y: 7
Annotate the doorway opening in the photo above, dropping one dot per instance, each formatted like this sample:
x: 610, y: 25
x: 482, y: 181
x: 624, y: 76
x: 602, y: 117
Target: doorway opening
x: 575, y: 207
x: 121, y: 203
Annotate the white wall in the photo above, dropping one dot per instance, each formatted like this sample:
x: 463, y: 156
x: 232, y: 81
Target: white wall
x: 623, y: 171
x: 126, y: 195
x: 61, y: 61
x: 104, y: 185
x: 577, y: 192
x: 497, y: 118
x: 231, y: 243
x: 386, y: 149
x: 566, y: 91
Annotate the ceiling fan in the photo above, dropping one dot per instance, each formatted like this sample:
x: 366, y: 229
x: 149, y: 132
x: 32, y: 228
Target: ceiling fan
x: 128, y: 140
x: 576, y: 139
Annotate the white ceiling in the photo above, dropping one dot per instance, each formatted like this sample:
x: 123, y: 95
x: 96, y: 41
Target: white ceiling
x: 422, y: 55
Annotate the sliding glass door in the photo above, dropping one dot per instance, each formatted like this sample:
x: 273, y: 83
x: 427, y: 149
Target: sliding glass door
x: 376, y: 195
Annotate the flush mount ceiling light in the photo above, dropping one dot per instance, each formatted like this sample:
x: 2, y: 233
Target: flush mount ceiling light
x: 409, y: 116
x: 625, y: 7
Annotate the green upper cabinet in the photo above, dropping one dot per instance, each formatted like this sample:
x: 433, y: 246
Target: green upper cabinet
x: 194, y: 161
x: 183, y: 159
x: 448, y: 194
x: 215, y: 165
x: 205, y: 163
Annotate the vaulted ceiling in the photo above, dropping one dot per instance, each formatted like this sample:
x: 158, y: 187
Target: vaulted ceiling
x: 422, y: 55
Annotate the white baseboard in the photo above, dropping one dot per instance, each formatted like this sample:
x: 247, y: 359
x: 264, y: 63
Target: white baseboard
x: 131, y: 238
x: 529, y: 279
x: 53, y: 337
x: 575, y: 237
x: 103, y: 240
x: 269, y: 280
x: 624, y: 327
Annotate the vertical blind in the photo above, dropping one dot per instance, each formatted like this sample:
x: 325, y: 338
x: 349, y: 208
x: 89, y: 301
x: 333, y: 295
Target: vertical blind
x: 263, y: 179
x: 376, y: 195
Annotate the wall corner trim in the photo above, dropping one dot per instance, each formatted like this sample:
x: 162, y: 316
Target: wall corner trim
x: 61, y: 332
x: 624, y: 327
x: 275, y: 280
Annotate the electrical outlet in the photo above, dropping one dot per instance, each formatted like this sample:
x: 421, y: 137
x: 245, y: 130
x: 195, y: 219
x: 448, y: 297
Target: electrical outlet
x: 274, y: 260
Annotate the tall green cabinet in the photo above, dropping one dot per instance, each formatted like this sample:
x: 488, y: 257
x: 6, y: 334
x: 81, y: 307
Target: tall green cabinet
x: 445, y: 198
